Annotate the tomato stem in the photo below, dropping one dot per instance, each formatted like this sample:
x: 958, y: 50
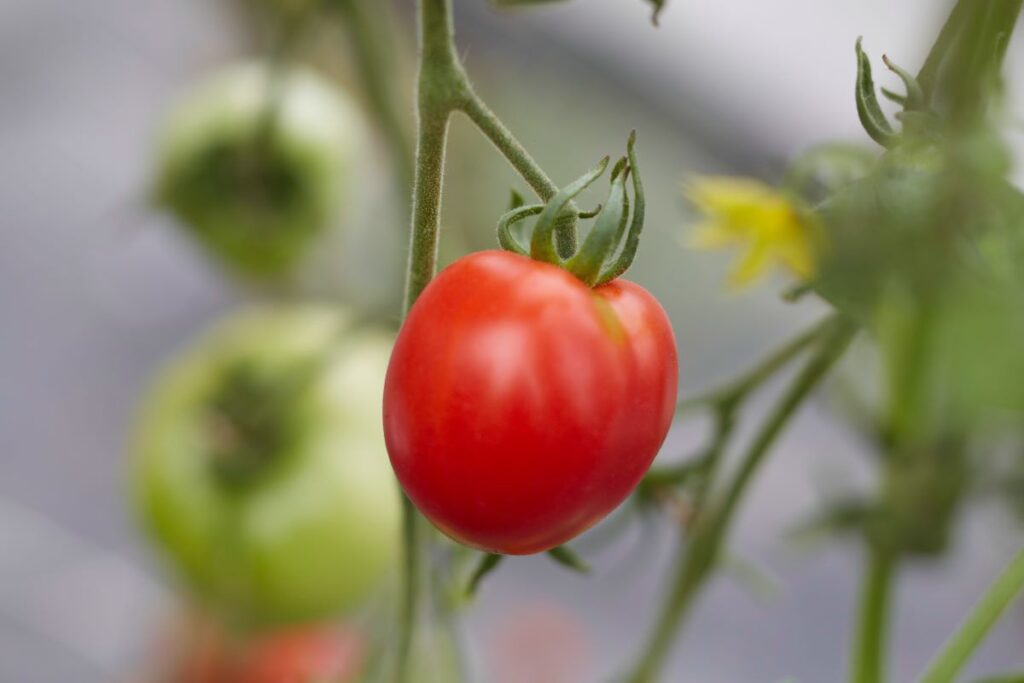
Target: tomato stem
x: 443, y: 87
x: 872, y: 634
x: 699, y: 557
x: 958, y: 649
x: 438, y: 76
x: 492, y: 127
x: 725, y: 402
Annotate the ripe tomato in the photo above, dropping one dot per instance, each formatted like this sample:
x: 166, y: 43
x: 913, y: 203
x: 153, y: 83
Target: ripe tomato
x: 254, y: 183
x: 521, y: 406
x: 260, y: 468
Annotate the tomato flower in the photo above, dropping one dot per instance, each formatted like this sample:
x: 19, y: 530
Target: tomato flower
x: 772, y: 226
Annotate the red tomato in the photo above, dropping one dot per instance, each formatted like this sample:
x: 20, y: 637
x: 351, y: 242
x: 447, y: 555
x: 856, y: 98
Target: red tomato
x: 521, y: 406
x: 295, y: 655
x: 302, y: 655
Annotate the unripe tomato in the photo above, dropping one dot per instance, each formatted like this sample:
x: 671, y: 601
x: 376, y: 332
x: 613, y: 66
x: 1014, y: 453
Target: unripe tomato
x: 260, y: 468
x: 253, y: 181
x: 521, y: 406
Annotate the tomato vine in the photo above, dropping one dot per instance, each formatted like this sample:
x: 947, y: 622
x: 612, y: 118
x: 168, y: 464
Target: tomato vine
x: 963, y: 85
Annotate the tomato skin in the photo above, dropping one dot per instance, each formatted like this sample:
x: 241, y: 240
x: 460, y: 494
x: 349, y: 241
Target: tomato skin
x: 521, y: 406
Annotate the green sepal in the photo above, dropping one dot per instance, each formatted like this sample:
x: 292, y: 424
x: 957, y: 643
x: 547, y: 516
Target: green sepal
x: 586, y: 264
x: 506, y: 239
x: 915, y: 99
x: 868, y: 109
x: 894, y: 97
x: 542, y: 245
x: 625, y: 259
x: 515, y: 199
x: 568, y: 559
x: 488, y: 563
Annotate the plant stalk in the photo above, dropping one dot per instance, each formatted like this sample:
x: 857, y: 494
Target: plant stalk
x: 697, y: 560
x: 500, y: 136
x: 872, y: 635
x: 434, y: 107
x: 959, y: 648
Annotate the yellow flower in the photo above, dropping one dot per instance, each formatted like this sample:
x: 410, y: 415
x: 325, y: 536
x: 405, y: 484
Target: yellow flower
x: 772, y: 227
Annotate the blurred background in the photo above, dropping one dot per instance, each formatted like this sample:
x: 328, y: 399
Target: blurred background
x: 98, y: 289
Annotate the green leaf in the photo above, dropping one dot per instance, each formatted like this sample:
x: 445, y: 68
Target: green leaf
x: 567, y: 558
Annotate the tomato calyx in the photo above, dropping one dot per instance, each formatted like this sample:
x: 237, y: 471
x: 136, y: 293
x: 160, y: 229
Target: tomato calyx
x: 920, y: 123
x: 610, y: 246
x: 252, y: 420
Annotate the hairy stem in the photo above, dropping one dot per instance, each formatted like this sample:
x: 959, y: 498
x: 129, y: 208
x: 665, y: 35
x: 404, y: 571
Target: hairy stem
x: 491, y: 126
x: 426, y: 205
x: 437, y: 73
x: 698, y: 558
x: 872, y: 635
x: 959, y: 648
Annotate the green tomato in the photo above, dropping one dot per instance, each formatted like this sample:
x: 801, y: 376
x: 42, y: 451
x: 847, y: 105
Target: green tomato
x: 256, y: 168
x: 260, y: 467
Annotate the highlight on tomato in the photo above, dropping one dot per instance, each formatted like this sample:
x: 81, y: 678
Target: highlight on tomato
x: 256, y: 164
x: 260, y: 468
x: 526, y: 397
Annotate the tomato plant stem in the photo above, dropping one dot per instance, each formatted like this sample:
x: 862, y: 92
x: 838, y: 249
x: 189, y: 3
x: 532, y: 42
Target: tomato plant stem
x: 959, y: 648
x: 726, y: 402
x: 430, y: 153
x: 491, y: 126
x: 434, y: 109
x: 868, y: 662
x: 698, y: 558
x: 441, y: 88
